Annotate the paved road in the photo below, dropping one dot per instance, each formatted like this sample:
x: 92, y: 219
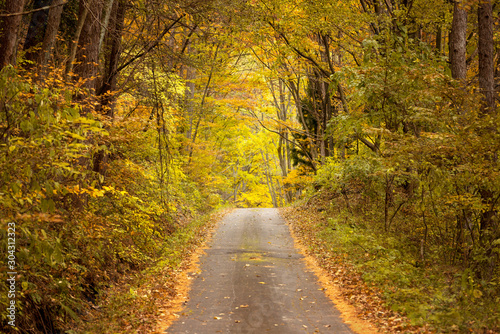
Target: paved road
x: 252, y: 280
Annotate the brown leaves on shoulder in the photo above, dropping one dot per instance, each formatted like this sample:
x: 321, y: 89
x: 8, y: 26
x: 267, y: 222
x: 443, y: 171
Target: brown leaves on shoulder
x: 306, y: 221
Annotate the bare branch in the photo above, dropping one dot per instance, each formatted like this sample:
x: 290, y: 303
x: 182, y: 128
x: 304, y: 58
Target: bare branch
x: 34, y: 10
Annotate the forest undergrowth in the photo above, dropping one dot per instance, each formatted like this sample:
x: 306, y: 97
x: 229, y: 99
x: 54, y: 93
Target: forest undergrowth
x: 144, y: 301
x: 98, y: 235
x: 380, y: 276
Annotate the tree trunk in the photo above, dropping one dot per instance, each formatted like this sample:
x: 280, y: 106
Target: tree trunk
x: 487, y: 88
x: 486, y: 56
x: 113, y: 56
x: 36, y: 31
x: 190, y: 93
x: 9, y: 27
x: 282, y: 111
x: 87, y: 55
x: 489, y: 196
x: 49, y: 39
x: 439, y: 39
x: 458, y: 42
x: 107, y: 13
x: 74, y: 44
x: 269, y: 178
x: 311, y: 155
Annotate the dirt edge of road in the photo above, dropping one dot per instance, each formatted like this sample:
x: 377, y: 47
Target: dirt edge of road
x: 347, y: 311
x: 184, y: 280
x: 191, y: 267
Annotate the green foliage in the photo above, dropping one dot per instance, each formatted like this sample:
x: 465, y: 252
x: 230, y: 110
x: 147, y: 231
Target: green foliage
x: 44, y: 158
x: 143, y: 292
x: 449, y: 299
x: 87, y: 200
x: 356, y: 170
x: 420, y: 213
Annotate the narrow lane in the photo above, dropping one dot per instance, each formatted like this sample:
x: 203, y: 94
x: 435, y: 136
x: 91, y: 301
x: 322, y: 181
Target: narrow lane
x: 253, y: 280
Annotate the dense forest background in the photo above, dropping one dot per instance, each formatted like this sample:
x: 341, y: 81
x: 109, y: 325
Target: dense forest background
x: 121, y: 122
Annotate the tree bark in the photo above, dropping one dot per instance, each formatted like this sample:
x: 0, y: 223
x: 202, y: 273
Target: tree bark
x: 486, y: 56
x: 458, y: 43
x: 487, y: 88
x: 105, y: 22
x: 49, y: 40
x: 87, y: 55
x: 113, y: 56
x: 9, y: 27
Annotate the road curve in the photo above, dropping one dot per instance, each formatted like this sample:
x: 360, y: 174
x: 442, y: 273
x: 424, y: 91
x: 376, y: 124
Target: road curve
x: 253, y: 280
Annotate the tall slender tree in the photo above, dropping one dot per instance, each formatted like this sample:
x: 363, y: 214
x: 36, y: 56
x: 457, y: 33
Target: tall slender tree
x: 112, y: 55
x: 9, y: 25
x: 458, y: 41
x: 87, y: 56
x: 486, y: 55
x: 53, y: 23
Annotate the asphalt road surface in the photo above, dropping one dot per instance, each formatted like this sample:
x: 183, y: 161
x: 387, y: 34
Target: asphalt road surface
x: 252, y: 280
